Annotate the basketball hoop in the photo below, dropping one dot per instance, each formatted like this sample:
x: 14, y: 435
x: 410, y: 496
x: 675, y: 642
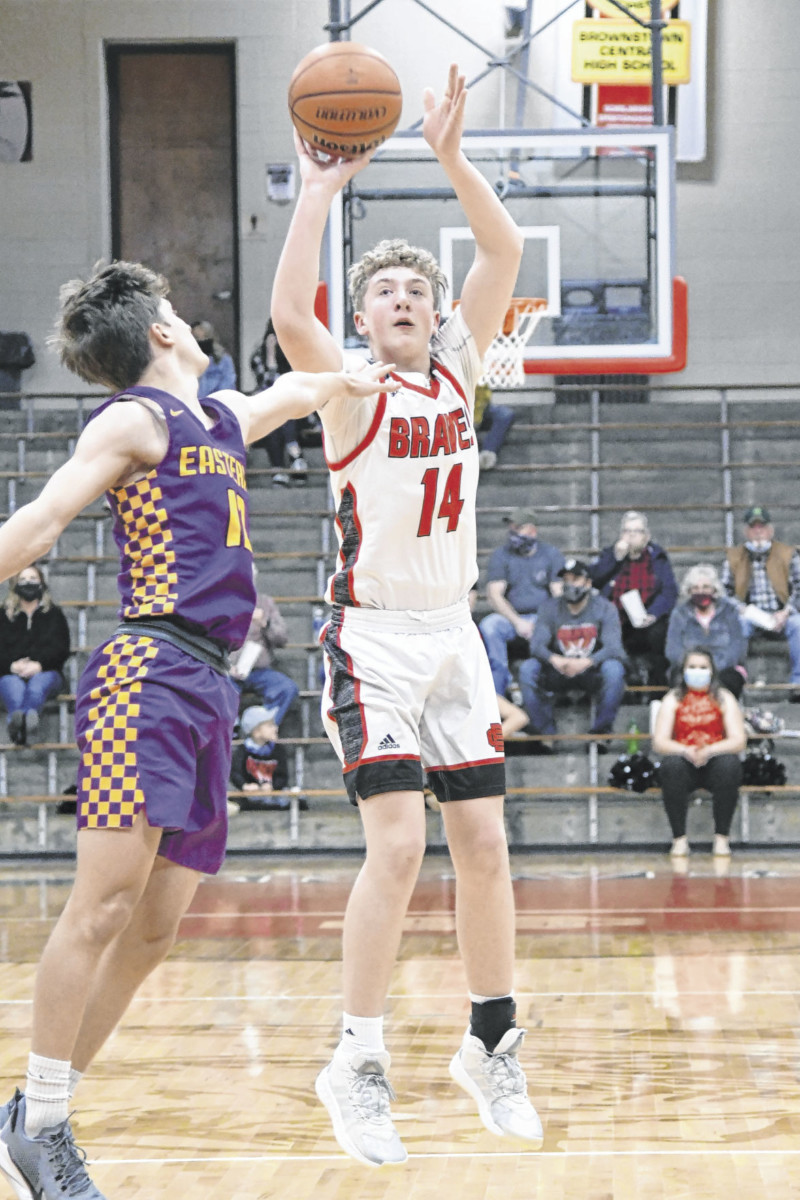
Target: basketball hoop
x: 504, y: 361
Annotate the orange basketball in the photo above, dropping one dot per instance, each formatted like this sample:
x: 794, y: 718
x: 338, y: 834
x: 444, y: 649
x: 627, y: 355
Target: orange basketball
x: 344, y: 99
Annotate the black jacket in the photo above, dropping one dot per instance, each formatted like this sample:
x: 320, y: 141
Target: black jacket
x: 268, y: 763
x: 45, y: 640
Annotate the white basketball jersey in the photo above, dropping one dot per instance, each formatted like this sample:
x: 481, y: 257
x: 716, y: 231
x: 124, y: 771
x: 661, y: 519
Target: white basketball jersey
x: 404, y: 475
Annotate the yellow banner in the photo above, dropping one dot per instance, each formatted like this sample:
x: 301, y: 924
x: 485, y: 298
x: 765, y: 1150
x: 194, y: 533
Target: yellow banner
x: 641, y: 8
x: 619, y: 52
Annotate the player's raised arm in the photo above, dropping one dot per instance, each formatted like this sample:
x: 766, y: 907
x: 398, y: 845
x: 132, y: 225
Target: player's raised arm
x: 489, y: 284
x: 298, y: 393
x: 122, y: 441
x: 305, y: 341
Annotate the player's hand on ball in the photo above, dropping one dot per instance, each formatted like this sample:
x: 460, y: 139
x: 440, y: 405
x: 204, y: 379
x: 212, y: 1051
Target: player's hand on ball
x: 334, y: 173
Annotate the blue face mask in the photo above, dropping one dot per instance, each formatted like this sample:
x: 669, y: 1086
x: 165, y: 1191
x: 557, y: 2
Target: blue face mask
x: 521, y: 543
x: 697, y: 678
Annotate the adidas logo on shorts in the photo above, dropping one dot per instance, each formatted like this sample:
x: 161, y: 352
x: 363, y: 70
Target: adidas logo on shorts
x: 388, y: 743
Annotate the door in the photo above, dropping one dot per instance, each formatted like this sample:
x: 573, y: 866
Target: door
x: 172, y: 113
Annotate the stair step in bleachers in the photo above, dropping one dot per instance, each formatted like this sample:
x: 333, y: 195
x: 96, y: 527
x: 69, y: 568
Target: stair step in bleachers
x: 579, y: 466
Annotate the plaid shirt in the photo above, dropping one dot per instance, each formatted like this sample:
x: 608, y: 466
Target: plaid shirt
x: 761, y: 592
x: 635, y: 573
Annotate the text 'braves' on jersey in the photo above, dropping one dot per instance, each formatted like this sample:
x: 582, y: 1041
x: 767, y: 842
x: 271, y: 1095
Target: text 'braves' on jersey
x: 404, y: 474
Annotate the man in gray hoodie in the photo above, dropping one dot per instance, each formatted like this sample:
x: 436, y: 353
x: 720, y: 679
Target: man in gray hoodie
x: 577, y: 643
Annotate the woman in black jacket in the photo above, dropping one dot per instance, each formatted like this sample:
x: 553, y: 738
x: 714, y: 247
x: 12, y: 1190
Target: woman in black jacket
x: 34, y: 645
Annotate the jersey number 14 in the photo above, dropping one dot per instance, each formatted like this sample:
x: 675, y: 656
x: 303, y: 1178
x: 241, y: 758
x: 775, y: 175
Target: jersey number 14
x: 451, y: 502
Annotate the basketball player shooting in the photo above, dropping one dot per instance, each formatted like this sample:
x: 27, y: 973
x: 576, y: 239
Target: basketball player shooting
x: 155, y: 707
x: 408, y: 688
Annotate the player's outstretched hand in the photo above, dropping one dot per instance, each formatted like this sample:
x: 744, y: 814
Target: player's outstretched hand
x: 299, y: 393
x: 368, y: 381
x: 443, y: 123
x: 334, y: 173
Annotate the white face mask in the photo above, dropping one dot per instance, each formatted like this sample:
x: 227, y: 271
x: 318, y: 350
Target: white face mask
x: 697, y: 678
x: 758, y: 547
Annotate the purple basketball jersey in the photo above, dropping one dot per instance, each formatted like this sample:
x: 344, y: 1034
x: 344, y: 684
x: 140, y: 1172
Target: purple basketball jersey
x: 182, y: 530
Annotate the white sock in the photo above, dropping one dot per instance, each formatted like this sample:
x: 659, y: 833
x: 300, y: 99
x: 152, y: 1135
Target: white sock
x: 46, y: 1094
x: 74, y: 1079
x: 362, y: 1033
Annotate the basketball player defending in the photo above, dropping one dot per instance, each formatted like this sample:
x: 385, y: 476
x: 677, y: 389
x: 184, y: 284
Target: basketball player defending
x: 155, y: 709
x: 408, y: 687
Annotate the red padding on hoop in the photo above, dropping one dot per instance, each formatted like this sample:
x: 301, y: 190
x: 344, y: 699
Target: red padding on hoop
x: 676, y: 361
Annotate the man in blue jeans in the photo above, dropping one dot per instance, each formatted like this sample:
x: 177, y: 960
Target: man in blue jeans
x: 577, y: 643
x: 762, y: 576
x: 522, y: 574
x: 252, y: 667
x: 492, y: 423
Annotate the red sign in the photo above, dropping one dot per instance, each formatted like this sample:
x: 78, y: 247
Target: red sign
x: 624, y: 104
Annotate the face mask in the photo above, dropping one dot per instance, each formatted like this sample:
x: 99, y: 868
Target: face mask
x: 758, y: 547
x: 29, y: 591
x: 521, y: 543
x: 702, y: 601
x: 573, y: 592
x: 697, y: 677
x: 207, y: 345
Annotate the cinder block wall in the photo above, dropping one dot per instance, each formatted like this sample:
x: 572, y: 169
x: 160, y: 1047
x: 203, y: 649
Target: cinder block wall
x: 736, y: 240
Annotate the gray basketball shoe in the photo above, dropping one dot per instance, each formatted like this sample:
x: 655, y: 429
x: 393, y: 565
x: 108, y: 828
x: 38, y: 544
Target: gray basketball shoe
x: 497, y: 1082
x: 356, y: 1093
x: 8, y: 1108
x: 48, y: 1167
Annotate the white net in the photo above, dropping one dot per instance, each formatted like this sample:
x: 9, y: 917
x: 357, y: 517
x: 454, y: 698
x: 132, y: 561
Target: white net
x: 504, y: 361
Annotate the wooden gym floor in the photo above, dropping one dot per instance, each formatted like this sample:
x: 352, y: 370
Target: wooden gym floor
x: 663, y: 1051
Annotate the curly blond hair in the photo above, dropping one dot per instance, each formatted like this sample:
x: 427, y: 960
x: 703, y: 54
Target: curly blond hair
x: 395, y: 252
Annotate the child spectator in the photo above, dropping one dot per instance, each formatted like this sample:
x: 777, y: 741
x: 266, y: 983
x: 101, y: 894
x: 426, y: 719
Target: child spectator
x: 259, y: 762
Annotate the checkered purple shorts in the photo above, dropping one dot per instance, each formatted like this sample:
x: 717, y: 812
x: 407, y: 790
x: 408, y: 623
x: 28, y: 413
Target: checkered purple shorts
x: 154, y: 731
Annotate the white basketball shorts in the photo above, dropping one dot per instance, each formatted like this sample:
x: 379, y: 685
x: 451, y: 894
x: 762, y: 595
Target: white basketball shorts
x: 409, y: 693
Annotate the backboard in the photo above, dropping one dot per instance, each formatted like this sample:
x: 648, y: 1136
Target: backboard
x: 596, y: 207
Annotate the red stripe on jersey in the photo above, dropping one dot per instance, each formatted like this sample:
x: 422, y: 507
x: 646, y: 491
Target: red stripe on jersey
x: 431, y: 392
x: 451, y: 379
x: 369, y: 437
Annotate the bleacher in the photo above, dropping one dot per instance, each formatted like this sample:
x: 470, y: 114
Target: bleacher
x: 693, y: 462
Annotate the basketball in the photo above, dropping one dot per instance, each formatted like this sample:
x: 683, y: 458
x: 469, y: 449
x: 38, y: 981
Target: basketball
x: 344, y: 99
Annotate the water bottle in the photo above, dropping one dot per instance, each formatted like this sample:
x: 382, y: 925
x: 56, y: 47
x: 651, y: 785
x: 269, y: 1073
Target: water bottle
x: 632, y: 746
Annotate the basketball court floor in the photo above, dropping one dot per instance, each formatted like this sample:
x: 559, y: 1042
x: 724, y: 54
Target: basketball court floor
x: 663, y: 1051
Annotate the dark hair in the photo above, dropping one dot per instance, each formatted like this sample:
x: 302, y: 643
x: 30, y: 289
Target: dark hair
x: 102, y: 334
x: 680, y: 683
